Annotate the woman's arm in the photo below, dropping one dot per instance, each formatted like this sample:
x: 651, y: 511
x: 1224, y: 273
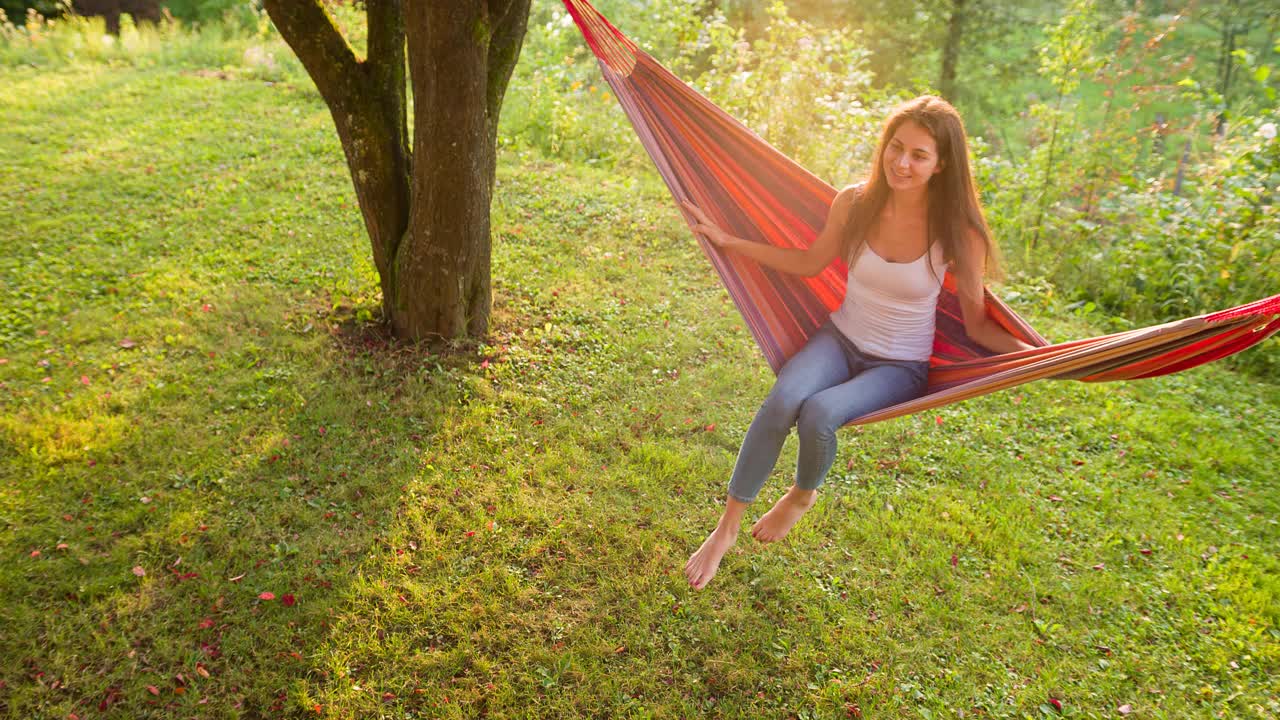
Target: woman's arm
x: 808, y: 262
x: 973, y: 306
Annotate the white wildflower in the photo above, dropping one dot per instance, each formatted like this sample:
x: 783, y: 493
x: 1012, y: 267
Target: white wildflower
x: 1268, y: 131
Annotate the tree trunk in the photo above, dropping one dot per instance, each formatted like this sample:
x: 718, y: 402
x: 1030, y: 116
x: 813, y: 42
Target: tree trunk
x: 951, y: 51
x: 1226, y: 62
x: 428, y: 221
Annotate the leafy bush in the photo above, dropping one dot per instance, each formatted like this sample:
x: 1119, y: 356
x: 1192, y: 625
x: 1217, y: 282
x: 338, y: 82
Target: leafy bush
x: 1092, y: 208
x: 19, y: 10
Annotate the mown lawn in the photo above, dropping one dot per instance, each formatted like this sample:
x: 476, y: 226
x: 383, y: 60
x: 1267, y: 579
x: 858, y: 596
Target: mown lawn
x: 224, y: 493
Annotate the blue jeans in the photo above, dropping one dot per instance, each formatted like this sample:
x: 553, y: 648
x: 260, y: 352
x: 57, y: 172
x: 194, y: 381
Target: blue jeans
x: 823, y: 386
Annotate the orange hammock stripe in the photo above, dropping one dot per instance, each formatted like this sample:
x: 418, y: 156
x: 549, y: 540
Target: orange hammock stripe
x: 755, y: 192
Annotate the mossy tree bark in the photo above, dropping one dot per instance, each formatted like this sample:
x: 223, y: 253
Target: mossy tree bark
x: 427, y: 209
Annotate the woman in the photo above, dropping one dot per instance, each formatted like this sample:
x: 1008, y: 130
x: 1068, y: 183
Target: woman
x: 916, y: 216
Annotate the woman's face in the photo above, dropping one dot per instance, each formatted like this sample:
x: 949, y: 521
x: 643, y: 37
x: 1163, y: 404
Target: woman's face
x: 911, y: 157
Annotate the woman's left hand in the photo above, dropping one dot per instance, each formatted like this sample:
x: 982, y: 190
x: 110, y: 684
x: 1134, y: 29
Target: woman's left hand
x: 707, y: 228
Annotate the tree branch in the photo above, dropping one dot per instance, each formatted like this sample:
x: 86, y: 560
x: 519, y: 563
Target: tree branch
x: 510, y: 21
x: 386, y: 41
x: 307, y: 27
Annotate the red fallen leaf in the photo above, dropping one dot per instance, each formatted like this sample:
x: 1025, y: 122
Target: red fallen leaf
x: 317, y: 709
x: 153, y: 689
x: 84, y: 379
x: 266, y: 595
x: 206, y: 308
x: 1077, y: 462
x: 938, y: 419
x: 470, y: 533
x: 139, y: 571
x: 1100, y: 566
x: 710, y: 428
x: 388, y: 697
x: 179, y: 690
x: 484, y: 365
x: 322, y: 430
x: 201, y: 671
x: 1055, y: 498
x: 288, y: 600
x: 35, y: 553
x: 113, y: 694
x: 206, y: 623
x: 954, y: 560
x: 1145, y: 551
x: 72, y: 716
x: 127, y: 343
x: 68, y: 517
x: 1056, y: 703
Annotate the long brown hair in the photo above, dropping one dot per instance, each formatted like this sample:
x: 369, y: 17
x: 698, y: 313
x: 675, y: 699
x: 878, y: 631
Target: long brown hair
x: 954, y: 207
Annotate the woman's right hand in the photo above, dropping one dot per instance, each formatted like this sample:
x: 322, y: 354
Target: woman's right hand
x: 712, y: 232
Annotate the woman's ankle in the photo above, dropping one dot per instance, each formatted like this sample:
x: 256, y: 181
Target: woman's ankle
x: 800, y: 495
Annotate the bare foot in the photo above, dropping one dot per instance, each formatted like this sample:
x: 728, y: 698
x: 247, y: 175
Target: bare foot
x: 703, y: 564
x: 783, y: 515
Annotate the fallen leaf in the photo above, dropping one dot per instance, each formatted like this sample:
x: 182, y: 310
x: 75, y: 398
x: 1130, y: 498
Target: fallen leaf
x: 1125, y: 709
x: 137, y: 570
x: 206, y: 623
x: 153, y: 689
x: 1056, y: 703
x: 266, y: 595
x: 288, y: 600
x: 84, y: 379
x: 201, y: 671
x: 954, y: 560
x: 127, y: 343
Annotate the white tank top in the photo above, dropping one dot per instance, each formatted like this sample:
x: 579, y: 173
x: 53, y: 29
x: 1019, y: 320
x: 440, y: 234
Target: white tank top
x: 888, y: 307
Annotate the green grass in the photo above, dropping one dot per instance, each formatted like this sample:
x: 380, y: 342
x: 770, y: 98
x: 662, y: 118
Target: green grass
x: 505, y: 539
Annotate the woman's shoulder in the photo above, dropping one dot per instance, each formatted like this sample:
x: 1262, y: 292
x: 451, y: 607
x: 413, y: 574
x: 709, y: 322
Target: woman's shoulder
x: 849, y: 194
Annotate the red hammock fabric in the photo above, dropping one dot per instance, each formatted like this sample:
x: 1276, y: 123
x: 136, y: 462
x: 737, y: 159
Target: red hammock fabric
x: 755, y: 192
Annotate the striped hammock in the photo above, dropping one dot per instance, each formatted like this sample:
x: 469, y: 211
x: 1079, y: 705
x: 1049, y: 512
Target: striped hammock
x: 755, y: 192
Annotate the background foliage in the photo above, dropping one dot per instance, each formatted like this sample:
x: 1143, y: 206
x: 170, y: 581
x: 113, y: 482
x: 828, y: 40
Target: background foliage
x: 224, y: 493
